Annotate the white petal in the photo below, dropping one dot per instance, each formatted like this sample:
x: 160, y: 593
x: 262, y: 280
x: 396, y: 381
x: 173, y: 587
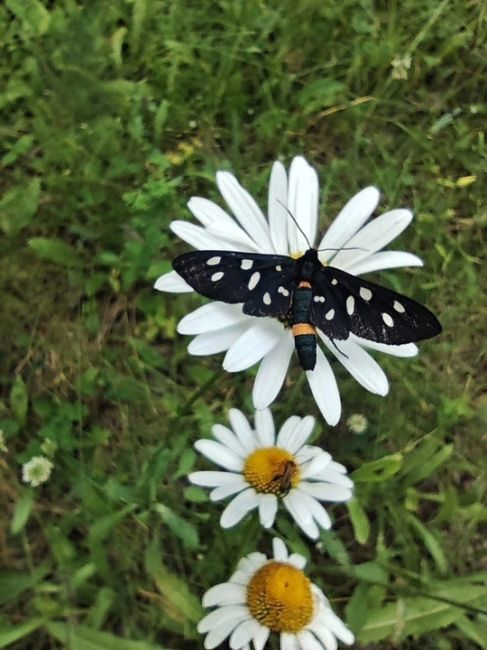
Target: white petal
x: 297, y: 560
x: 229, y: 439
x: 406, y: 350
x: 279, y: 549
x: 315, y: 509
x: 199, y: 237
x: 276, y: 209
x: 216, y: 220
x: 254, y: 344
x: 372, y: 237
x: 213, y: 479
x: 211, y: 317
x: 326, y: 492
x: 246, y: 210
x: 243, y: 634
x: 316, y: 464
x: 299, y: 435
x: 286, y: 432
x: 267, y: 509
x: 218, y: 341
x: 272, y: 371
x: 236, y: 613
x: 173, y: 283
x: 324, y: 388
x: 225, y: 491
x: 350, y: 218
x: 307, y: 641
x: 264, y: 425
x: 226, y: 593
x: 336, y: 478
x: 324, y: 635
x: 294, y: 504
x: 260, y: 637
x: 303, y: 204
x: 238, y: 508
x: 220, y: 455
x: 382, y: 261
x: 359, y: 364
x: 288, y: 641
x: 338, y: 628
x: 242, y: 429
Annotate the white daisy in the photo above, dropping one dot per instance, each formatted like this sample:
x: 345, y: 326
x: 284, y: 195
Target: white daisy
x: 262, y: 468
x: 37, y: 470
x: 271, y: 595
x: 248, y: 340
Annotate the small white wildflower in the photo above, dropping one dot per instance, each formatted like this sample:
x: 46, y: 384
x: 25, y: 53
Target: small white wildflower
x: 357, y: 423
x: 37, y: 470
x: 192, y: 124
x: 3, y: 446
x: 400, y: 66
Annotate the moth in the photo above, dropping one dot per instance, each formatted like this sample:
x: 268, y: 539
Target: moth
x: 307, y: 295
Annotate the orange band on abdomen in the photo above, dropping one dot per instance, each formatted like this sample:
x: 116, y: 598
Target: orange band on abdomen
x: 304, y: 284
x: 303, y: 328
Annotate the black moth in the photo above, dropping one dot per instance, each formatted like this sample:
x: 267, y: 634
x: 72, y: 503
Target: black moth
x: 305, y: 295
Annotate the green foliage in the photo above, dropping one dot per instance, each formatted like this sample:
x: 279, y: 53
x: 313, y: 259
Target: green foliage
x: 113, y: 115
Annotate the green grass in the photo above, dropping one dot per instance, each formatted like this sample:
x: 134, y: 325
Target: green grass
x: 112, y: 115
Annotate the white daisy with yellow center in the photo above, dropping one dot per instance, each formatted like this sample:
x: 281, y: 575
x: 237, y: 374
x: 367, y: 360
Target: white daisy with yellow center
x: 350, y: 244
x: 262, y: 469
x: 271, y: 595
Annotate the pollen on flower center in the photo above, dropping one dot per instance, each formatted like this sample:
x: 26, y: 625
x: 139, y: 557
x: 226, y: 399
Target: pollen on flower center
x: 279, y: 597
x: 271, y: 470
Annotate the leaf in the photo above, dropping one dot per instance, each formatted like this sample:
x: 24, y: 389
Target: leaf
x: 19, y: 400
x: 18, y: 205
x: 474, y: 630
x: 378, y: 470
x: 56, y: 251
x: 10, y: 634
x: 22, y: 511
x: 418, y: 615
x: 103, y: 527
x: 32, y: 13
x: 186, y: 532
x: 80, y: 637
x: 427, y: 468
x: 431, y: 542
x: 13, y: 583
x: 320, y: 94
x: 360, y: 521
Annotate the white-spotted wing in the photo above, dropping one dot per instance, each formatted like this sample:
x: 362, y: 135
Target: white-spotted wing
x: 263, y: 283
x: 344, y: 303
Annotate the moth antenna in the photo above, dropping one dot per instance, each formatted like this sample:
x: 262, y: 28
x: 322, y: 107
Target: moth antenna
x: 295, y: 222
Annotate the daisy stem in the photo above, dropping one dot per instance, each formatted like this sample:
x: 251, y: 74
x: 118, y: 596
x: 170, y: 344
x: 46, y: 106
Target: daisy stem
x: 186, y: 407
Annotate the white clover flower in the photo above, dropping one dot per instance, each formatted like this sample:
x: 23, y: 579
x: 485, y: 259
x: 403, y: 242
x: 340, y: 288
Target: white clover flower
x: 401, y: 66
x: 357, y: 423
x: 247, y: 340
x: 271, y: 595
x: 261, y: 469
x: 37, y: 470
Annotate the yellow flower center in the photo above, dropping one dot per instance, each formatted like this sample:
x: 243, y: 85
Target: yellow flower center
x: 271, y: 470
x: 279, y: 597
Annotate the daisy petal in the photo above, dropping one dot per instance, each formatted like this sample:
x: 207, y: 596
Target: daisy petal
x: 338, y: 628
x: 211, y: 317
x: 326, y: 492
x: 242, y: 429
x: 224, y: 491
x: 300, y: 434
x: 213, y: 479
x: 220, y: 454
x: 335, y: 478
x: 286, y: 432
x: 288, y: 641
x: 254, y: 344
x: 229, y: 439
x: 320, y: 460
x: 382, y: 261
x: 350, y: 218
x: 226, y: 593
x: 272, y: 371
x: 372, y: 237
x: 314, y: 508
x: 360, y: 365
x: 173, y: 283
x: 264, y: 425
x: 297, y: 560
x: 307, y: 641
x: 276, y: 209
x: 260, y: 637
x: 324, y: 635
x: 246, y: 210
x: 279, y: 549
x: 236, y: 613
x: 324, y: 388
x: 267, y: 509
x: 239, y: 507
x: 198, y: 237
x: 307, y: 525
x: 217, y: 341
x: 215, y: 219
x: 243, y: 634
x: 303, y: 204
x: 405, y: 350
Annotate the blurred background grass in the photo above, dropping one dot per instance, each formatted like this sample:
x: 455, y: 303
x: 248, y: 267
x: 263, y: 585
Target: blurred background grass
x: 113, y: 115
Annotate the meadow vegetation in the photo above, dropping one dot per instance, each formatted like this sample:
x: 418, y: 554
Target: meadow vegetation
x: 113, y: 114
